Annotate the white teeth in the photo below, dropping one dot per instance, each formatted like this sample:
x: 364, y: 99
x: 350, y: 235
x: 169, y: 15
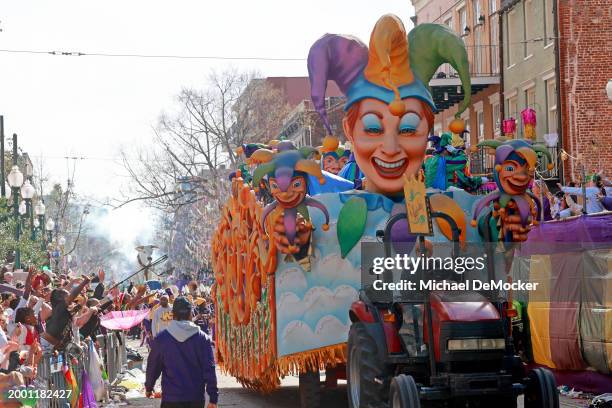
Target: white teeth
x: 386, y: 165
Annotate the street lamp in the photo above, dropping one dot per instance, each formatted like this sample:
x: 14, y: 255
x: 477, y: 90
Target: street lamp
x: 50, y: 226
x: 40, y: 210
x: 23, y: 208
x: 15, y: 178
x: 15, y: 181
x: 27, y: 193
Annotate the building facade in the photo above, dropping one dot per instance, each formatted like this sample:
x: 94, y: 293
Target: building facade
x: 476, y: 21
x: 529, y: 64
x: 585, y: 41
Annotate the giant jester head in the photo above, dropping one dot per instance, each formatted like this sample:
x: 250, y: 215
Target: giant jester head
x: 389, y: 108
x: 515, y: 163
x: 286, y: 174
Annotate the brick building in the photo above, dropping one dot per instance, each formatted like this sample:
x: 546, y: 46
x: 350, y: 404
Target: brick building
x: 303, y: 125
x: 476, y: 21
x: 585, y: 67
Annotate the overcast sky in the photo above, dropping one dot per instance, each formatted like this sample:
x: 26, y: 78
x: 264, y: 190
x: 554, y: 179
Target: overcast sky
x: 91, y: 106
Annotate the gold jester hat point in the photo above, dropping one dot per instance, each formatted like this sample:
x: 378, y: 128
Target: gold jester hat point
x: 388, y: 62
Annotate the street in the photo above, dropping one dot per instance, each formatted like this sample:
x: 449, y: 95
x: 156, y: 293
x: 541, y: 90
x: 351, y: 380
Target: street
x: 231, y: 394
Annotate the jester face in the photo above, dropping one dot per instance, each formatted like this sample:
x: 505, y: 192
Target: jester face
x: 288, y: 192
x: 514, y: 176
x: 387, y: 146
x: 342, y: 161
x: 331, y: 163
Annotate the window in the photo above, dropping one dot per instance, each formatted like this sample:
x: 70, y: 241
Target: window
x: 530, y: 98
x: 494, y: 39
x: 495, y: 118
x: 477, y: 12
x: 512, y: 107
x: 492, y: 6
x: 478, y: 63
x: 549, y: 22
x: 480, y: 123
x: 551, y: 106
x: 511, y: 37
x: 528, y: 28
x: 462, y: 20
x: 448, y: 21
x: 437, y: 128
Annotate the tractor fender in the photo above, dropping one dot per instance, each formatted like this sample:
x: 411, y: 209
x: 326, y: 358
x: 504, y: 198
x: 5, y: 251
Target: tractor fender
x: 360, y: 312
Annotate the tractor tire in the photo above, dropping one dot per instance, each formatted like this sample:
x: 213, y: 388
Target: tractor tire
x: 310, y: 390
x: 404, y: 393
x: 367, y: 386
x: 541, y: 390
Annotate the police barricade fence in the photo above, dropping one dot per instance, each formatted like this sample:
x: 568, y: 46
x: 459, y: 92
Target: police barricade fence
x: 59, y: 378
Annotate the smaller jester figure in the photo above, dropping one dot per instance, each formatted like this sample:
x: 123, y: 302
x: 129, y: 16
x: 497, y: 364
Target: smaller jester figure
x: 515, y: 163
x: 334, y: 156
x: 448, y: 166
x: 287, y: 181
x: 250, y: 159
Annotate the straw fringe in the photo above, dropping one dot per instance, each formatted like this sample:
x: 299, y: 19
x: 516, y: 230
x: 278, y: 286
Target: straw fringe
x: 312, y: 360
x: 293, y: 364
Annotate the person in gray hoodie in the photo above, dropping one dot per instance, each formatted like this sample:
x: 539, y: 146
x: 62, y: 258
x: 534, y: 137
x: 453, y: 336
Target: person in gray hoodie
x: 183, y: 356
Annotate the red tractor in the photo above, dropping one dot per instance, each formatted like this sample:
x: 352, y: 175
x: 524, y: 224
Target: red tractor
x: 473, y: 363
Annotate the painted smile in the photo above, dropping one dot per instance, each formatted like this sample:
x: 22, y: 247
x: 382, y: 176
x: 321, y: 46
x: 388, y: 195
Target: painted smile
x: 518, y: 187
x: 289, y: 203
x: 393, y: 169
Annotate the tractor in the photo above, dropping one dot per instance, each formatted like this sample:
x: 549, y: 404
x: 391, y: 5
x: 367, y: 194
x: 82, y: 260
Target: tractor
x: 449, y: 349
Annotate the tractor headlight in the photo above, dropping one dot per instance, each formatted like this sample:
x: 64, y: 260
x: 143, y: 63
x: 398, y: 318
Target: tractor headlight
x: 476, y: 344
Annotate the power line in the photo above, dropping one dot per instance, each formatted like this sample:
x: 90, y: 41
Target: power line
x: 159, y: 56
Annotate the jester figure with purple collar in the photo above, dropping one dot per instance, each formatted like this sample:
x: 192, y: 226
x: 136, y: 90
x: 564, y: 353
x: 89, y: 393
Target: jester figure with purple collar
x: 512, y: 206
x: 286, y: 174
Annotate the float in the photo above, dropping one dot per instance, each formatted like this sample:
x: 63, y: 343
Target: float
x: 288, y: 254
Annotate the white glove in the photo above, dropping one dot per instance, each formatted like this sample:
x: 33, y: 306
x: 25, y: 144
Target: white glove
x: 450, y: 148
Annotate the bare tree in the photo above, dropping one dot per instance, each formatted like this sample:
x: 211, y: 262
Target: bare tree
x: 191, y: 144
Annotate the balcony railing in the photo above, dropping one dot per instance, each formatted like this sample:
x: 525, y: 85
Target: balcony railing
x: 484, y: 62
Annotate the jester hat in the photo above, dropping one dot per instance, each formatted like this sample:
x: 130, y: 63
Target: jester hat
x: 331, y: 146
x: 285, y: 165
x: 513, y: 149
x: 519, y: 149
x: 396, y: 66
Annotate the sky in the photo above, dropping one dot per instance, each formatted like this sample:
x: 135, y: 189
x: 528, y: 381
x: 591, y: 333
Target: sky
x: 90, y: 107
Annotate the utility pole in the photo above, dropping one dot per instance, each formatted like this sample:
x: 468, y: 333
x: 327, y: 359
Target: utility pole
x: 16, y: 208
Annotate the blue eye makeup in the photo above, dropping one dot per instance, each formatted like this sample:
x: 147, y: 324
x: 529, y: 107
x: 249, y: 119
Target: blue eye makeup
x: 409, y: 123
x: 371, y: 123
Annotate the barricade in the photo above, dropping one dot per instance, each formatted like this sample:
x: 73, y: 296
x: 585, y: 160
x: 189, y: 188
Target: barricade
x: 53, y: 368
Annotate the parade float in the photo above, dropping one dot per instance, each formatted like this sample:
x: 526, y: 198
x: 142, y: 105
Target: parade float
x: 288, y: 252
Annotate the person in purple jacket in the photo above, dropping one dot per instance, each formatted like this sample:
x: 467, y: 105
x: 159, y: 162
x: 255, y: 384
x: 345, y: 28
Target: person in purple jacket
x: 183, y: 356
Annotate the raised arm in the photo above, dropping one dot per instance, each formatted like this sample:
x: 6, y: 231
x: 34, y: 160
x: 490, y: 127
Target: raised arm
x: 75, y: 292
x: 28, y: 284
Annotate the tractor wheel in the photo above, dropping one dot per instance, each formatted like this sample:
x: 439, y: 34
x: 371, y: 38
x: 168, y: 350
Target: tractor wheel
x: 404, y: 393
x: 310, y: 390
x: 541, y: 390
x: 367, y: 385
